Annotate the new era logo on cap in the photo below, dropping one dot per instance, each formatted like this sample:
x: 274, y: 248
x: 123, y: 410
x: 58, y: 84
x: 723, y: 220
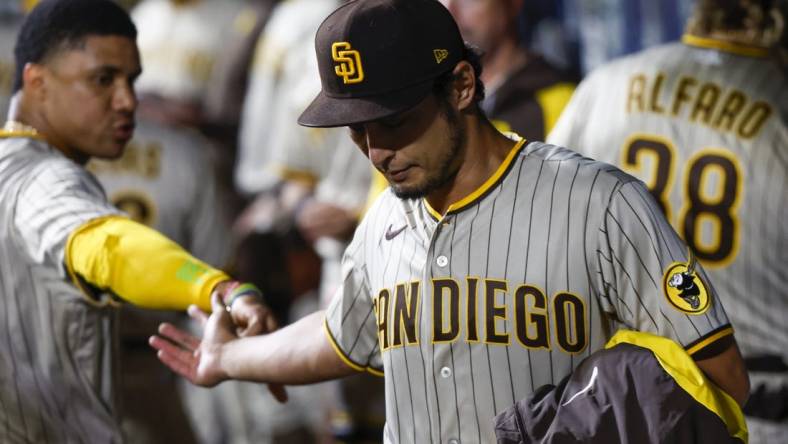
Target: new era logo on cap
x: 380, y: 57
x: 440, y: 55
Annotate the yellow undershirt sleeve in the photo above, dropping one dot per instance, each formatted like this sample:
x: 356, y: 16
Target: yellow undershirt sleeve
x: 139, y: 265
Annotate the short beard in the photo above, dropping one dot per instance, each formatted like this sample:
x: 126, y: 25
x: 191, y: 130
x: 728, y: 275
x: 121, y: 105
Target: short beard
x: 443, y: 174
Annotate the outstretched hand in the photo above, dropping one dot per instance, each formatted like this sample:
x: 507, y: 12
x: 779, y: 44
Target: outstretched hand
x: 197, y: 360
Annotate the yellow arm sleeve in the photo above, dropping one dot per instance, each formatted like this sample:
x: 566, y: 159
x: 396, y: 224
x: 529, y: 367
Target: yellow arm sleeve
x: 139, y: 265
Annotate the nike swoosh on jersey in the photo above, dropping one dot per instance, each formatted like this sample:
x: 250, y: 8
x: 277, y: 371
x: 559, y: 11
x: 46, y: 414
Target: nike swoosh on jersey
x: 392, y: 234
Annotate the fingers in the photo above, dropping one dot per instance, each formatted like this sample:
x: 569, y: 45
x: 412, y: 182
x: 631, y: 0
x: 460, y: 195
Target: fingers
x: 217, y: 305
x: 279, y: 392
x: 197, y: 314
x: 177, y: 359
x: 179, y: 337
x: 270, y: 323
x: 254, y: 327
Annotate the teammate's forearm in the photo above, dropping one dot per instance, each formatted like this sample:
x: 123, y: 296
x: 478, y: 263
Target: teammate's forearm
x: 297, y: 354
x: 140, y: 265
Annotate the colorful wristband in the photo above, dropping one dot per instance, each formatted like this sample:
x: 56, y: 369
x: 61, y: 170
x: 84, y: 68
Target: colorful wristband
x: 240, y: 291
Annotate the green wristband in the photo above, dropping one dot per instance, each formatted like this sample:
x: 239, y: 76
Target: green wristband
x: 240, y: 291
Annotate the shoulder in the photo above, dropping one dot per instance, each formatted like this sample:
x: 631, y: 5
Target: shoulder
x: 38, y: 159
x: 564, y: 161
x: 651, y: 59
x: 42, y: 173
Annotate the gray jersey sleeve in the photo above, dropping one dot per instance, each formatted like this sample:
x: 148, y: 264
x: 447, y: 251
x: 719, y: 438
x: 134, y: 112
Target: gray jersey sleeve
x: 58, y: 197
x: 351, y: 318
x: 648, y: 276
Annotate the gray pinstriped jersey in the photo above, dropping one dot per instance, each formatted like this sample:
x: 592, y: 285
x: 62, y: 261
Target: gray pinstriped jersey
x: 707, y: 130
x: 56, y: 360
x: 510, y: 290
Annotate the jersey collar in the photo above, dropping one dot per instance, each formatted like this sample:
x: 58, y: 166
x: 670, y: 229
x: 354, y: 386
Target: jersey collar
x: 17, y: 129
x: 731, y: 47
x: 484, y: 188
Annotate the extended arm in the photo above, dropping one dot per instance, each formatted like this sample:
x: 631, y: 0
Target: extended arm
x: 149, y: 270
x: 297, y: 354
x: 728, y: 372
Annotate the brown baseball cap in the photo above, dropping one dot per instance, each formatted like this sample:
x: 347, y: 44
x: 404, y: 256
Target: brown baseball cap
x: 379, y: 57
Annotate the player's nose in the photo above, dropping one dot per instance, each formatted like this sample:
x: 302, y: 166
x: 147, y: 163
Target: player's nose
x: 125, y: 99
x: 380, y: 157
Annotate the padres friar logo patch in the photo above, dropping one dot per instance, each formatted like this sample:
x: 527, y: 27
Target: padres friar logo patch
x: 348, y: 63
x: 684, y: 288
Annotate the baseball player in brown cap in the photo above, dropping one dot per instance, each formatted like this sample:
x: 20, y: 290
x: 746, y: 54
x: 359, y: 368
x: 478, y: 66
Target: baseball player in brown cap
x: 490, y: 267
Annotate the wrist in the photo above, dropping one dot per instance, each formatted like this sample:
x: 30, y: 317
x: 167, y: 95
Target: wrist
x: 238, y: 291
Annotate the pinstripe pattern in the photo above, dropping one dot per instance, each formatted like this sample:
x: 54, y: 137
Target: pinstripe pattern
x: 752, y: 281
x: 56, y: 365
x: 553, y: 223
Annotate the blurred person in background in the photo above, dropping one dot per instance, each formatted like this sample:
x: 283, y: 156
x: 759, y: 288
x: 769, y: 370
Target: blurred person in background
x: 525, y: 93
x: 170, y: 178
x: 704, y: 123
x: 325, y: 184
x: 307, y: 187
x: 166, y: 180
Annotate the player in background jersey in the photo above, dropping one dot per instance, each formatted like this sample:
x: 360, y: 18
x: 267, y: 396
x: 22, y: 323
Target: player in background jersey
x: 325, y: 184
x: 69, y: 258
x: 321, y: 188
x: 164, y: 179
x: 524, y: 93
x: 169, y: 175
x: 704, y: 123
x: 489, y: 268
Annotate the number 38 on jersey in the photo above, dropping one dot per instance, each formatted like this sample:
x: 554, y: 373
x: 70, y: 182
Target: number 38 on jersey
x: 710, y: 193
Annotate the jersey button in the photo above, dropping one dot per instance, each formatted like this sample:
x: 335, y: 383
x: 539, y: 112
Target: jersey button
x: 442, y: 261
x: 454, y: 441
x: 445, y: 372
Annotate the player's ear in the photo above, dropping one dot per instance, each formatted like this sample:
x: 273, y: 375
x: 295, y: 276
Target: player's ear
x: 34, y: 80
x: 464, y: 85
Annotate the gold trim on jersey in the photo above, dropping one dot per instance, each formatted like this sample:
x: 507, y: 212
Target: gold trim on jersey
x: 710, y: 340
x: 680, y: 366
x: 734, y: 48
x: 343, y: 357
x: 13, y: 128
x: 484, y: 188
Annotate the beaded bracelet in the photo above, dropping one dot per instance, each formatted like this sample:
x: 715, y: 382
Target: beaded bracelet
x: 241, y: 291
